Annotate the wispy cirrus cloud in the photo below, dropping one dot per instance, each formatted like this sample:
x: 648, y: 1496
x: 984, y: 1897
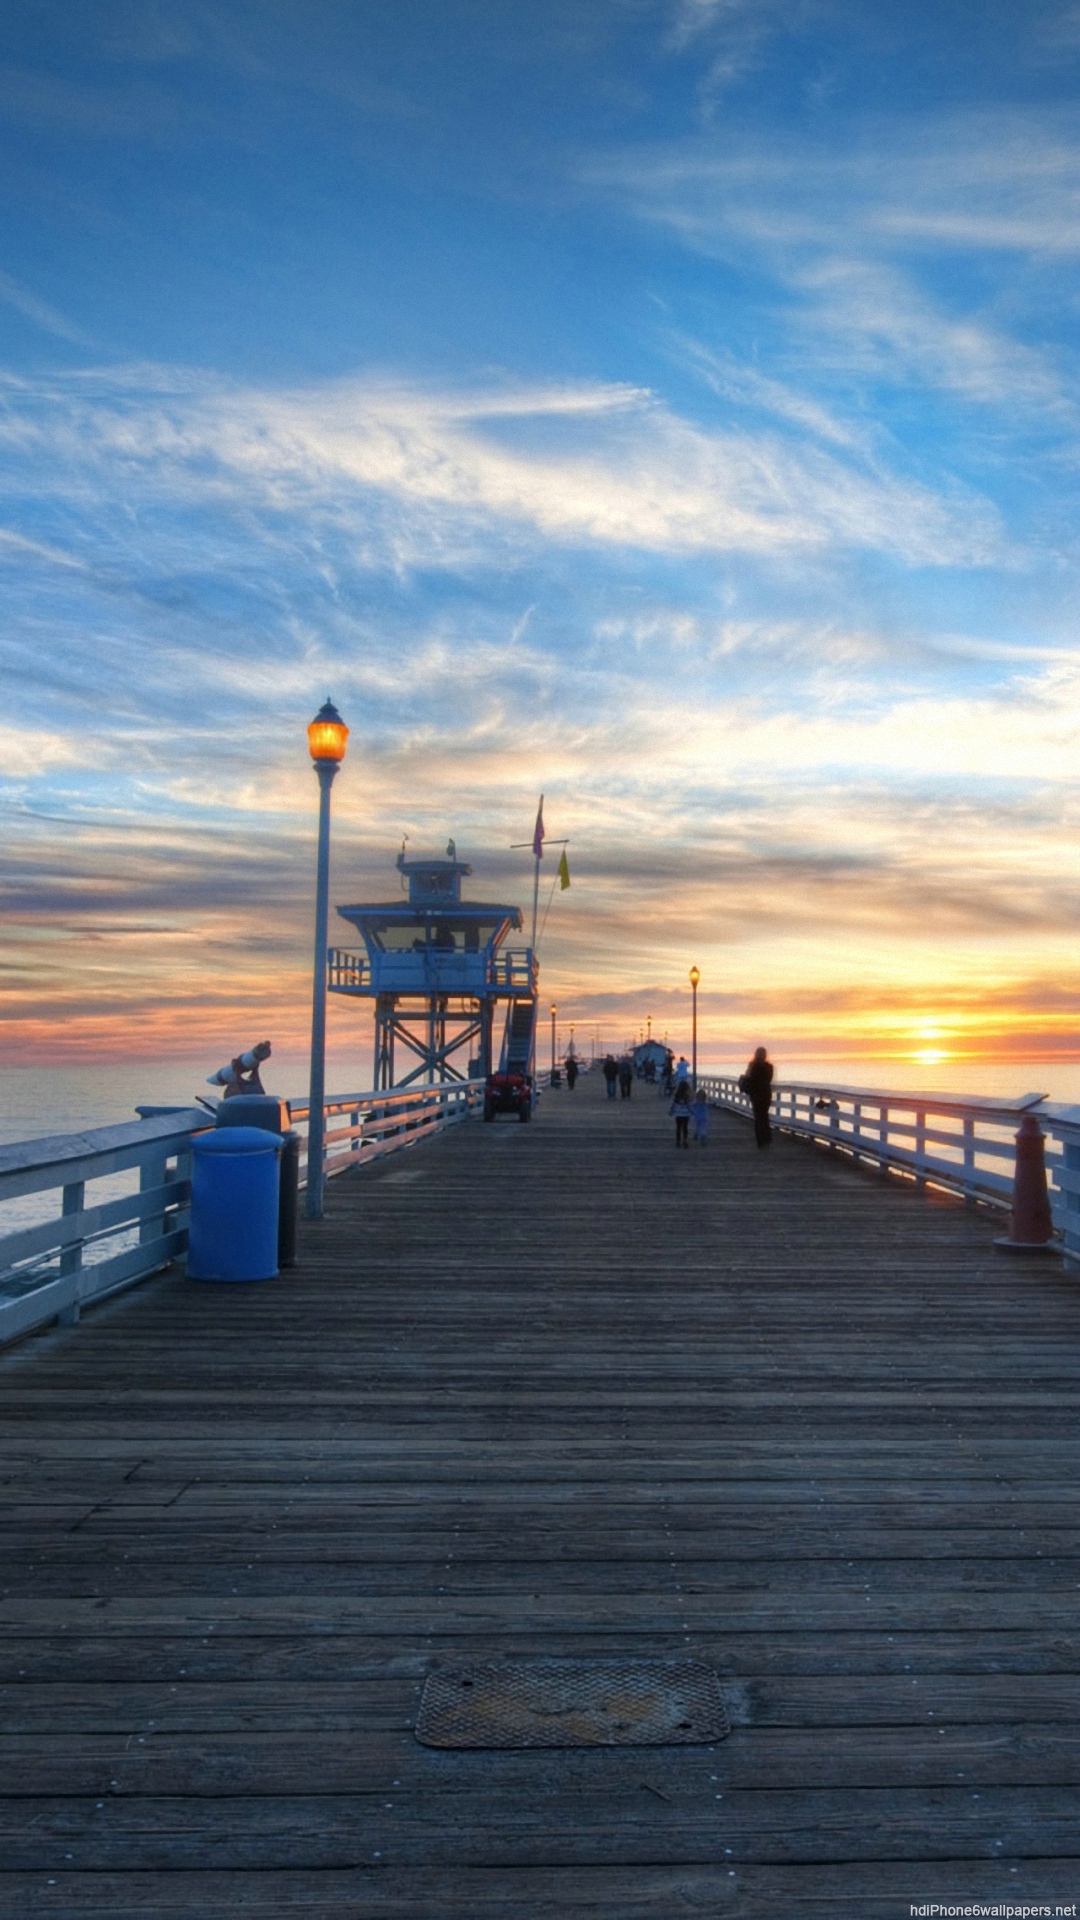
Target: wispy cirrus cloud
x: 1006, y: 180
x: 606, y: 465
x: 881, y: 324
x: 877, y: 264
x: 32, y: 307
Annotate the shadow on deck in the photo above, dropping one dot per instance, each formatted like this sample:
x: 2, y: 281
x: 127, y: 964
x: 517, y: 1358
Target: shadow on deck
x: 554, y: 1390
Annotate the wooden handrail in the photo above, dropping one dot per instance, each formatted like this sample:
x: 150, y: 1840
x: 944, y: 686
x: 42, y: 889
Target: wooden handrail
x: 961, y: 1143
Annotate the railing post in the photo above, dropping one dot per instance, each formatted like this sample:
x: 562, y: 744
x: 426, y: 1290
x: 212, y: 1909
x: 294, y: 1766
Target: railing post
x: 920, y: 1146
x: 969, y: 1160
x: 856, y: 1128
x: 71, y: 1255
x: 1067, y: 1192
x: 883, y: 1137
x: 152, y: 1174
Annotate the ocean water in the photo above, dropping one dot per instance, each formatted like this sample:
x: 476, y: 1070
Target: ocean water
x: 42, y: 1100
x: 37, y: 1101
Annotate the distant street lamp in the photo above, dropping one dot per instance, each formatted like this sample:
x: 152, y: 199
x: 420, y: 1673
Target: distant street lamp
x: 695, y: 976
x: 554, y: 1070
x: 327, y: 735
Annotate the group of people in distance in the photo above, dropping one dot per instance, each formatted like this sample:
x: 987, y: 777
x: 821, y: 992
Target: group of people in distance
x: 619, y: 1075
x: 689, y: 1104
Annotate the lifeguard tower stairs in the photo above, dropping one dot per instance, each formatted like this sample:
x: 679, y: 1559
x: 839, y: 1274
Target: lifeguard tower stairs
x: 440, y: 975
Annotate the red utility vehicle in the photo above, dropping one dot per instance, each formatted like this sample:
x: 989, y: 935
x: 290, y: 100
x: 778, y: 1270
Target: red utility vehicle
x: 508, y: 1093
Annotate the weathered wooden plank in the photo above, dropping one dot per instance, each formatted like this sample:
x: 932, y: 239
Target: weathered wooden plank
x: 550, y: 1892
x: 521, y: 1610
x: 854, y: 1700
x: 133, y: 1659
x: 810, y: 1585
x: 312, y: 1555
x: 213, y: 1764
x: 557, y: 1827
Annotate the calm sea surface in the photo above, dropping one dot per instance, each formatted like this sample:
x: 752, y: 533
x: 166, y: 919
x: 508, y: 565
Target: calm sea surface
x: 41, y: 1100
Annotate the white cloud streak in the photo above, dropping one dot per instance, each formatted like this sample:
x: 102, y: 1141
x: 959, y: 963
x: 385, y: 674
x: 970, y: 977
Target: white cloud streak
x: 601, y: 465
x: 32, y: 307
x: 1006, y: 181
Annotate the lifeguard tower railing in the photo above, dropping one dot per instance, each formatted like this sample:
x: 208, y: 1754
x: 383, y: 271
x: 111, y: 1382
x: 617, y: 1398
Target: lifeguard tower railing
x: 509, y: 974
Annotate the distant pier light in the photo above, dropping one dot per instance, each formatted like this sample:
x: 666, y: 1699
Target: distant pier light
x: 695, y: 977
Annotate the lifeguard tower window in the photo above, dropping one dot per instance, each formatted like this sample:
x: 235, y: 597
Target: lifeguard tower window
x: 437, y: 968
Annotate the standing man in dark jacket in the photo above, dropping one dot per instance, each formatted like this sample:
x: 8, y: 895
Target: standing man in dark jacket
x: 611, y: 1075
x: 756, y: 1082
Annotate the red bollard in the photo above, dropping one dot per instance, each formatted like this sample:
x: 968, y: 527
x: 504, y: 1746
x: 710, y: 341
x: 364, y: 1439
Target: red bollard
x: 1031, y: 1223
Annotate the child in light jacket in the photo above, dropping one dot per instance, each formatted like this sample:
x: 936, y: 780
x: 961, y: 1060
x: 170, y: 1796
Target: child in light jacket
x: 700, y: 1113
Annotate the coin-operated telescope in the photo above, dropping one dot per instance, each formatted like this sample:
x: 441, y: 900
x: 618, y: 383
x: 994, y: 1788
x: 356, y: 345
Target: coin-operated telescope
x: 242, y: 1074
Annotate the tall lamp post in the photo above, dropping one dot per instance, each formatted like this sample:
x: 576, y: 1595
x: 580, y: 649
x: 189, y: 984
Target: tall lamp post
x: 327, y: 735
x: 554, y: 1071
x: 695, y: 976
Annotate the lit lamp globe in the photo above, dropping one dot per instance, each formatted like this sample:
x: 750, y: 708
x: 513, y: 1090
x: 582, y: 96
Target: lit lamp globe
x: 327, y: 735
x: 695, y: 976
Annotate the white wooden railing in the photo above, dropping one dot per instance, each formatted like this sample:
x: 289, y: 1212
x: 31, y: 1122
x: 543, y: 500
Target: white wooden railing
x: 93, y: 1244
x: 369, y: 1125
x: 86, y: 1245
x: 965, y: 1145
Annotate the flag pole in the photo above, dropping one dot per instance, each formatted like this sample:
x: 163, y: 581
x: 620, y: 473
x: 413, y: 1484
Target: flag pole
x: 537, y: 845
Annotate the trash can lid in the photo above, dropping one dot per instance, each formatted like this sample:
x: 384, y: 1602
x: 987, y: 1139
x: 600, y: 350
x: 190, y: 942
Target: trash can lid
x: 237, y: 1140
x: 253, y: 1110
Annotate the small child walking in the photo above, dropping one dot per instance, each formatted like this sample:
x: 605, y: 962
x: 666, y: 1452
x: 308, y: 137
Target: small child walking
x: 680, y: 1109
x: 700, y: 1113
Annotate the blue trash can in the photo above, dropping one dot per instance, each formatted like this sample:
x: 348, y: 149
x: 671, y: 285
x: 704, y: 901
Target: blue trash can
x: 234, y: 1205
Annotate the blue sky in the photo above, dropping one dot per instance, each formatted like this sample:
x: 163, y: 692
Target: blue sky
x: 671, y: 405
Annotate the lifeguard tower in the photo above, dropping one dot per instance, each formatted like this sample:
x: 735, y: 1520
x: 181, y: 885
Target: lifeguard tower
x: 439, y: 973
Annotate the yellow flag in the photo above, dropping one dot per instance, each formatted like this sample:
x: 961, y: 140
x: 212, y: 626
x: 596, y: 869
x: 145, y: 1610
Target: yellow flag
x: 564, y: 873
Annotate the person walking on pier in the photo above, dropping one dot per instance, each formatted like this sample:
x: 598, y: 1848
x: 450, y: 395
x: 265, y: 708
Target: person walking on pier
x: 626, y: 1076
x: 756, y: 1083
x: 680, y: 1110
x: 571, y: 1074
x: 611, y: 1074
x: 700, y: 1112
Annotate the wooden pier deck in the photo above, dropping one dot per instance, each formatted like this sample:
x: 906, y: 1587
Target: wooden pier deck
x: 554, y: 1390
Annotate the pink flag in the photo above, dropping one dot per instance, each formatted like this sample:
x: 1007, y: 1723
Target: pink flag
x: 538, y: 831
